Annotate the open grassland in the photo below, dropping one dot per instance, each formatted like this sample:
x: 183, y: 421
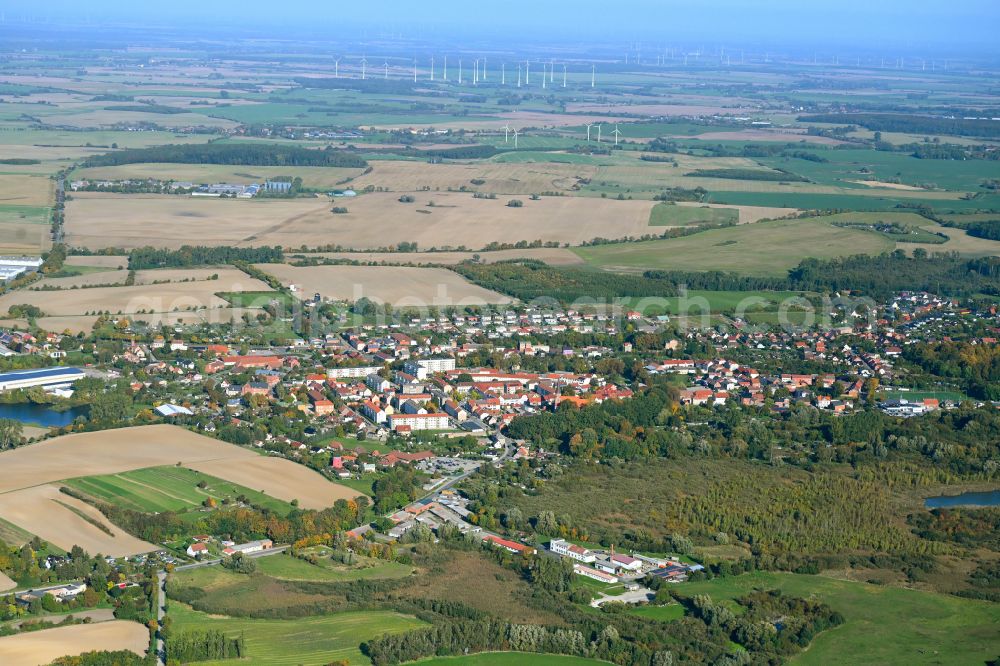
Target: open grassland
x: 554, y: 256
x: 400, y: 285
x: 667, y: 215
x: 286, y: 567
x: 41, y: 647
x: 175, y: 290
x: 159, y: 489
x: 126, y: 449
x: 509, y: 659
x: 667, y: 613
x: 958, y: 241
x: 765, y: 248
x: 884, y: 625
x: 698, y: 301
x: 67, y: 522
x: 498, y: 177
x: 309, y: 641
x: 373, y: 221
x: 313, y: 177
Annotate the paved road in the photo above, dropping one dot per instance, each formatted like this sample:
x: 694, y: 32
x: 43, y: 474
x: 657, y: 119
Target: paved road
x: 161, y: 610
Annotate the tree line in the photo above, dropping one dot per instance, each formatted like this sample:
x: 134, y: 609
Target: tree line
x: 248, y: 154
x: 188, y: 255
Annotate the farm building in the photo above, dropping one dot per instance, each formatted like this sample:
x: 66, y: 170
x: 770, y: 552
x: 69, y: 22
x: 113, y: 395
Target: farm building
x: 511, y: 546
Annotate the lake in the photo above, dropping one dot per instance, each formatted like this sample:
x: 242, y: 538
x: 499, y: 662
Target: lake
x: 990, y: 498
x: 43, y: 415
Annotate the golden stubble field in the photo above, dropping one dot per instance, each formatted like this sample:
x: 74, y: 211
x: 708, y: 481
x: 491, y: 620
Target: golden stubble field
x: 373, y: 221
x: 402, y: 286
x: 29, y: 478
x: 554, y: 256
x: 42, y: 647
x: 500, y: 178
x: 173, y: 294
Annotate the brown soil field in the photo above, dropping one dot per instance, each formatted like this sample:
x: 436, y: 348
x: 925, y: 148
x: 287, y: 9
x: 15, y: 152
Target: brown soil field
x: 17, y: 238
x: 26, y: 190
x: 519, y: 119
x: 169, y: 297
x: 106, y: 261
x: 374, y: 221
x: 6, y: 583
x: 41, y: 647
x: 124, y: 449
x: 87, y: 280
x: 45, y: 511
x: 657, y: 109
x: 767, y: 135
x: 279, y: 478
x: 501, y: 178
x: 85, y: 323
x: 891, y: 186
x: 400, y: 285
x: 555, y: 256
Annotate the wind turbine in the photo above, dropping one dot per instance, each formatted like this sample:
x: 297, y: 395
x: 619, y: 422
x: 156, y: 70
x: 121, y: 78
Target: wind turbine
x: 598, y: 133
x: 552, y: 70
x: 364, y: 65
x: 617, y: 134
x: 516, y: 133
x: 527, y: 72
x: 414, y: 70
x: 336, y: 68
x: 432, y: 68
x: 593, y: 75
x: 564, y: 76
x: 544, y: 75
x: 460, y: 71
x: 446, y: 68
x: 484, y: 69
x: 503, y: 74
x: 475, y: 72
x: 519, y: 75
x: 506, y: 133
x: 589, y: 125
x: 386, y: 75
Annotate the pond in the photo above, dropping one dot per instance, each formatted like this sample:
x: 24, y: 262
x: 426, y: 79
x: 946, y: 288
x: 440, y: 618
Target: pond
x: 989, y: 498
x: 42, y: 415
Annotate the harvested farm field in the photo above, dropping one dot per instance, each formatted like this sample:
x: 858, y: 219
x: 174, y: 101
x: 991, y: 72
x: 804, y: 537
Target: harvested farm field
x: 554, y: 256
x: 41, y: 647
x: 496, y: 177
x: 124, y: 449
x: 109, y: 261
x: 6, y: 583
x: 175, y: 290
x: 377, y: 220
x: 67, y: 522
x: 400, y: 285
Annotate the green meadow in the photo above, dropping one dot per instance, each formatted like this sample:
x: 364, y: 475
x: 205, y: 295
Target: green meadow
x: 883, y: 625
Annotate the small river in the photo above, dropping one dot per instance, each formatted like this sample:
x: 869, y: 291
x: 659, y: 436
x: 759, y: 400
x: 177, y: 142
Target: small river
x: 42, y: 415
x: 989, y: 498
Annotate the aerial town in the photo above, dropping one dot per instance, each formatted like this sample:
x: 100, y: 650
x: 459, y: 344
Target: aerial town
x: 399, y: 335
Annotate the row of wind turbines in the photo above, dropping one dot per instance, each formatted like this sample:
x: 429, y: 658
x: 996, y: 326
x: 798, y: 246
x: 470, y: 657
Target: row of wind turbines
x: 508, y: 131
x: 479, y: 72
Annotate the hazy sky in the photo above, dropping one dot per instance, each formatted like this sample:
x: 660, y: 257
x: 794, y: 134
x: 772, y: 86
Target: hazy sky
x: 871, y: 23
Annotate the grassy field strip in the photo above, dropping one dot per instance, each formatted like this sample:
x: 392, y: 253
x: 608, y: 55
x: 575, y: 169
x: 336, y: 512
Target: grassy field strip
x: 309, y: 641
x: 884, y: 625
x: 509, y: 659
x: 286, y: 567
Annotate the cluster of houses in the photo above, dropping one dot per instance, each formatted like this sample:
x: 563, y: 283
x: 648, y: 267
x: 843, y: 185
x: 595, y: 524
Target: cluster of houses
x: 204, y: 545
